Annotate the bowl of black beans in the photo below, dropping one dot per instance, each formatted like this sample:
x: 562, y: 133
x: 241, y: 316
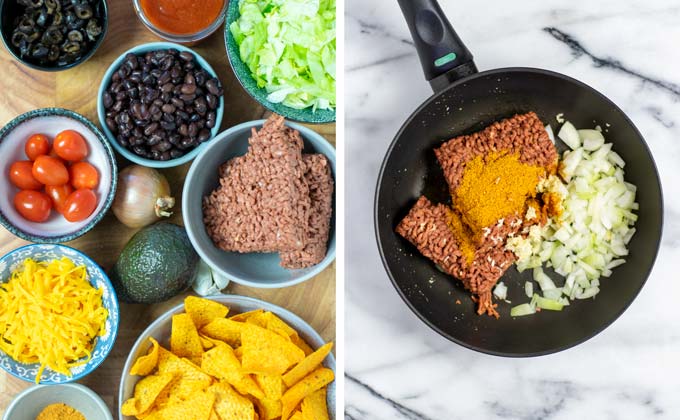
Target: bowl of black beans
x: 53, y: 35
x: 159, y: 103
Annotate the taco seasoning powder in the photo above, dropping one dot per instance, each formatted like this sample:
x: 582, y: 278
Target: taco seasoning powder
x: 60, y: 411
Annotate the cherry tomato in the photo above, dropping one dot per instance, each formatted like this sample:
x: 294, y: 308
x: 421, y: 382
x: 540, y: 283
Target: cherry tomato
x: 80, y: 205
x: 21, y: 175
x: 70, y: 145
x: 50, y: 170
x: 36, y: 145
x: 33, y: 205
x: 59, y: 195
x: 83, y: 175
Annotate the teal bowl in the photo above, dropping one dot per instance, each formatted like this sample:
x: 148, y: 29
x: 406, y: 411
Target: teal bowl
x: 101, y: 112
x: 244, y: 77
x: 98, y: 278
x: 51, y: 121
x: 252, y: 269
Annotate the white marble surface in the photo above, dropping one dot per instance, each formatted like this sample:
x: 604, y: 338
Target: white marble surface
x: 397, y: 368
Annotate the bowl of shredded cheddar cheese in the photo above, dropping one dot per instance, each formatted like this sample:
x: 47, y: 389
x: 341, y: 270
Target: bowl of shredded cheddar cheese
x: 58, y: 314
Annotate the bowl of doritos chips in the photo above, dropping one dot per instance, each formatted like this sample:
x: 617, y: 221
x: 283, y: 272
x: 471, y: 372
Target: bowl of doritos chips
x: 228, y: 357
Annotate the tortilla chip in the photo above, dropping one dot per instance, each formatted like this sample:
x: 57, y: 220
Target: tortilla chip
x: 267, y: 352
x: 297, y: 416
x: 230, y: 405
x: 144, y: 365
x: 184, y: 339
x: 146, y: 392
x: 197, y: 407
x: 259, y: 319
x: 238, y: 352
x: 206, y: 342
x: 190, y: 377
x: 314, y: 406
x: 271, y: 385
x: 221, y: 363
x: 310, y: 363
x: 269, y: 409
x: 312, y: 382
x: 203, y: 311
x: 276, y: 324
x: 226, y: 330
x: 302, y: 344
x: 213, y: 414
x: 243, y: 317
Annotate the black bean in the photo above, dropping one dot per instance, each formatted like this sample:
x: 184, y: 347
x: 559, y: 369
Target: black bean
x: 121, y: 95
x: 189, y: 79
x: 116, y: 87
x: 168, y: 117
x: 203, y: 135
x: 149, y: 129
x: 183, y: 116
x: 168, y: 87
x: 193, y: 130
x: 175, y: 153
x: 189, y: 66
x: 183, y: 130
x: 164, y: 78
x: 213, y: 86
x: 201, y: 105
x: 117, y: 106
x: 186, y: 56
x: 111, y: 124
x: 136, y: 76
x: 168, y: 108
x: 212, y: 101
x: 187, y: 98
x: 167, y: 125
x: 165, y: 155
x: 211, y: 119
x: 195, y: 118
x: 175, y: 72
x: 107, y: 100
x: 139, y: 150
x: 177, y: 102
x: 200, y: 77
x: 163, y: 146
x: 188, y: 89
x: 155, y: 155
x: 186, y: 143
x: 133, y: 93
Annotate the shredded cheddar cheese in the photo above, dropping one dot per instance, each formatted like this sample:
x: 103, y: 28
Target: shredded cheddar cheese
x: 50, y: 314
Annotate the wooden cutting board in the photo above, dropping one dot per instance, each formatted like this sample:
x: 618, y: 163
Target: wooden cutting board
x: 23, y: 89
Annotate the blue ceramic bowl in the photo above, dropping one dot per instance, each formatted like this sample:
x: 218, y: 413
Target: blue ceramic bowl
x: 160, y: 330
x: 98, y: 279
x: 244, y: 77
x: 51, y: 121
x: 106, y: 81
x: 254, y: 269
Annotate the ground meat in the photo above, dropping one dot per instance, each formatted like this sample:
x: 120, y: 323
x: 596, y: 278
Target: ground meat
x: 524, y: 134
x: 263, y: 201
x: 320, y: 181
x: 426, y: 227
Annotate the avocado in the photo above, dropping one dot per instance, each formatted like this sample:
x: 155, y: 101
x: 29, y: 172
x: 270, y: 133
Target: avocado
x: 156, y: 264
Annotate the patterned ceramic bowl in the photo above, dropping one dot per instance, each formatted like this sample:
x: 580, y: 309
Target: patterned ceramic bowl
x: 51, y: 121
x: 244, y: 77
x: 98, y: 278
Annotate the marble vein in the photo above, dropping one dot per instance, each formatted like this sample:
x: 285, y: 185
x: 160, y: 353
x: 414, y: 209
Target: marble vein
x: 578, y: 50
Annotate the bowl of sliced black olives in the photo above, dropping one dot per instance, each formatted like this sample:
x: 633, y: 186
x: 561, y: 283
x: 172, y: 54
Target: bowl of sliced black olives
x: 159, y: 103
x: 53, y: 35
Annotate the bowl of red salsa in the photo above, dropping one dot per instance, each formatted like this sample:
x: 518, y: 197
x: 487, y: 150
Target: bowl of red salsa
x: 181, y: 21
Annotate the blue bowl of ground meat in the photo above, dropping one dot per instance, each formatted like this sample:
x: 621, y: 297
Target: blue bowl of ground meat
x: 259, y: 203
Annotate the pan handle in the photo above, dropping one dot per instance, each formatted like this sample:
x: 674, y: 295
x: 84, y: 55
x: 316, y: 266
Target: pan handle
x: 443, y: 55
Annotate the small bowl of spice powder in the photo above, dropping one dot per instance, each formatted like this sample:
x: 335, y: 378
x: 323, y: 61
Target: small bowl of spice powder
x: 57, y: 402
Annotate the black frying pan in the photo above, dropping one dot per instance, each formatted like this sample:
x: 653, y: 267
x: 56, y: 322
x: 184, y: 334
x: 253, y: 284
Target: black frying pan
x: 466, y: 101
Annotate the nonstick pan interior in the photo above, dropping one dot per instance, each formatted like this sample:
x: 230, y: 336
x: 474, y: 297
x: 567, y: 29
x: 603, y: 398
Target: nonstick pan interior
x: 410, y: 169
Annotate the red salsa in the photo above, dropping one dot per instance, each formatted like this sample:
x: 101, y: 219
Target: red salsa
x: 182, y: 17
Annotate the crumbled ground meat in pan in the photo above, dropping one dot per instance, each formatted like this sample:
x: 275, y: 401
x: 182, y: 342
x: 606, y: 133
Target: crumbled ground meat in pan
x: 320, y: 181
x: 263, y: 201
x: 523, y: 133
x: 426, y: 227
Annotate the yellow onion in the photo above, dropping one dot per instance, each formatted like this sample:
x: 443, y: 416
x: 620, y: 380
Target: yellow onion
x: 143, y: 196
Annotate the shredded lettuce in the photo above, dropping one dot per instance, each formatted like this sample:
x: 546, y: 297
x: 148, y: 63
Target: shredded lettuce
x: 289, y: 47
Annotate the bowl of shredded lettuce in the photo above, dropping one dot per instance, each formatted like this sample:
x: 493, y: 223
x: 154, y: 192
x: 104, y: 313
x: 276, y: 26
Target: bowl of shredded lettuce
x: 283, y: 54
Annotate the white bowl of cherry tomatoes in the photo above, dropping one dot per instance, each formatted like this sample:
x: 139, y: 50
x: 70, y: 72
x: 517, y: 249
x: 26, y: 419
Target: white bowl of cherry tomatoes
x: 60, y: 175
